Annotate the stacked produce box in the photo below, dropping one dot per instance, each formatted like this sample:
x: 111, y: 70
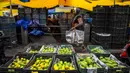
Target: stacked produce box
x: 8, y: 31
x: 63, y: 59
x: 38, y: 16
x: 112, y: 21
x: 99, y: 33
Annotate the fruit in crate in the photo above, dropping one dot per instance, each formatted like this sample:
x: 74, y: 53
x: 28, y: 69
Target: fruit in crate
x: 87, y: 62
x: 97, y: 50
x: 48, y: 50
x: 33, y: 51
x: 110, y: 62
x: 63, y: 65
x: 19, y: 63
x: 41, y: 63
x: 65, y: 50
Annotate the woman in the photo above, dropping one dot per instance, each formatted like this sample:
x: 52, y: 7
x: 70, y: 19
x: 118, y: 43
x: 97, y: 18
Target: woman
x: 78, y: 23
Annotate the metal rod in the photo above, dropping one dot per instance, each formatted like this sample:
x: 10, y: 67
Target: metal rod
x: 11, y: 14
x: 114, y: 2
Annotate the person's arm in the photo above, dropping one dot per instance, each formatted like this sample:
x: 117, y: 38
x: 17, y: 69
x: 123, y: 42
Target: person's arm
x: 76, y: 26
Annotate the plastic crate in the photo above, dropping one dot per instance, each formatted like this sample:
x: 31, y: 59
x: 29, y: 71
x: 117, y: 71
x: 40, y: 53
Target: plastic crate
x: 51, y: 46
x: 90, y: 70
x: 7, y: 20
x: 102, y: 37
x: 35, y: 16
x: 4, y: 68
x: 118, y: 45
x: 42, y: 21
x: 106, y: 45
x: 28, y: 10
x: 27, y: 69
x: 66, y: 45
x: 116, y: 70
x: 21, y: 15
x: 118, y: 31
x: 43, y: 10
x: 21, y: 10
x: 35, y: 10
x: 118, y: 17
x: 28, y: 16
x: 90, y: 47
x: 64, y: 58
x: 119, y: 38
x: 34, y: 47
x: 120, y: 9
x: 43, y: 16
x: 98, y: 29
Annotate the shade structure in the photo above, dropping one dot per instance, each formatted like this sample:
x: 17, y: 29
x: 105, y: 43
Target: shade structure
x: 74, y: 3
x: 38, y: 3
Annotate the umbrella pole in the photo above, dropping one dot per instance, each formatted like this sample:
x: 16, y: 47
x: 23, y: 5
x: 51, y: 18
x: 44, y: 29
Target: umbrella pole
x: 114, y: 2
x: 11, y: 9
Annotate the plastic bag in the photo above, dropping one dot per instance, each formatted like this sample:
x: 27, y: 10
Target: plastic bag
x: 75, y: 36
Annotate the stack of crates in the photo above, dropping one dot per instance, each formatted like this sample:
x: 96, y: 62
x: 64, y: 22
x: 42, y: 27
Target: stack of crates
x: 119, y: 20
x: 8, y: 26
x: 65, y: 23
x: 100, y: 27
x: 36, y: 15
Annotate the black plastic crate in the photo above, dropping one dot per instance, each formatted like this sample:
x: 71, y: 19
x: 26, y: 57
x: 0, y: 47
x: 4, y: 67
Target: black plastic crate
x: 35, y: 16
x: 120, y: 9
x: 118, y: 45
x: 21, y: 10
x: 116, y: 70
x: 42, y: 16
x: 118, y: 17
x: 7, y: 20
x: 4, y: 68
x: 35, y: 10
x: 43, y: 10
x: 28, y: 16
x: 21, y: 15
x: 44, y: 56
x: 119, y: 24
x: 34, y: 47
x: 90, y: 70
x: 120, y: 38
x: 64, y: 58
x: 118, y: 31
x: 42, y: 21
x: 98, y: 29
x: 28, y: 10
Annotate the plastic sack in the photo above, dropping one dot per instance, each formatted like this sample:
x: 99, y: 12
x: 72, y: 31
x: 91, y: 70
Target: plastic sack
x: 75, y: 36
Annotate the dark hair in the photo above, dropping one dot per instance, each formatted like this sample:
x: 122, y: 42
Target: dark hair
x: 76, y: 20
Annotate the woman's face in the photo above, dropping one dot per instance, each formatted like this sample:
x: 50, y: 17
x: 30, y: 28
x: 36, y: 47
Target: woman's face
x: 80, y: 20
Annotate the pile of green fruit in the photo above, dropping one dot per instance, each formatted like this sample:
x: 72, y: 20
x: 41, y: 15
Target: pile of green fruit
x: 97, y: 50
x: 110, y: 62
x: 65, y: 50
x: 87, y: 62
x: 48, y: 50
x: 63, y: 66
x: 19, y: 63
x: 41, y: 63
x: 33, y: 51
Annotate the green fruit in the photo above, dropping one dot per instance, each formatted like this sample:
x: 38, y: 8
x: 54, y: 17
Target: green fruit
x: 66, y: 50
x: 41, y: 63
x: 33, y: 51
x: 109, y: 62
x: 87, y: 62
x: 97, y: 50
x: 48, y: 50
x: 63, y: 65
x: 19, y: 63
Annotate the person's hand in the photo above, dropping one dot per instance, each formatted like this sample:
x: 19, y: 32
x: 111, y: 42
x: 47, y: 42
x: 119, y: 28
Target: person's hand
x: 72, y: 28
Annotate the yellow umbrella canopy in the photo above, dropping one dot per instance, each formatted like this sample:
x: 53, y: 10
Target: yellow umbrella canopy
x: 38, y: 3
x: 85, y: 4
